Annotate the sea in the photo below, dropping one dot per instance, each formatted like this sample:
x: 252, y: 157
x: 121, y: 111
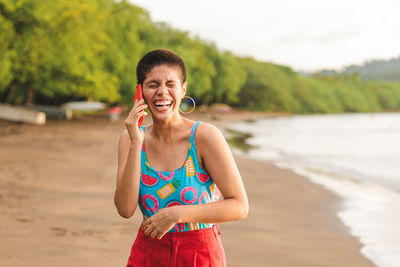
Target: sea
x: 356, y: 156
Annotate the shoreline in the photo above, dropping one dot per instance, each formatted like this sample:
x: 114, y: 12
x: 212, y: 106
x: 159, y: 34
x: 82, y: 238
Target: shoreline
x: 316, y: 196
x: 57, y: 186
x: 292, y: 223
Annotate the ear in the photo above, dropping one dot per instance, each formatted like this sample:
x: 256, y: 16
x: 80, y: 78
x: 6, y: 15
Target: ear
x: 184, y: 86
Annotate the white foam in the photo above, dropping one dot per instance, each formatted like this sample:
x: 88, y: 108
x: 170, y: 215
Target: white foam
x: 370, y: 211
x: 370, y: 208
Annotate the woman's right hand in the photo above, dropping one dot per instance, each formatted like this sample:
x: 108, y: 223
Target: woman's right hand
x: 135, y: 133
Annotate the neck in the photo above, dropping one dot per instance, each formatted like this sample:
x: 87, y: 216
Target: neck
x: 165, y: 129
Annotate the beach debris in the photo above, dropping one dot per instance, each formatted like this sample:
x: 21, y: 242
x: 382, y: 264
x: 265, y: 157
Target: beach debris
x: 221, y: 108
x: 22, y: 114
x: 114, y: 113
x: 84, y: 105
x: 52, y: 112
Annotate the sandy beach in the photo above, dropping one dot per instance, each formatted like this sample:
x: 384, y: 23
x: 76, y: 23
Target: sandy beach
x: 56, y: 202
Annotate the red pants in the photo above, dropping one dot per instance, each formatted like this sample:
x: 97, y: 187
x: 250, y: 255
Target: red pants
x: 184, y: 249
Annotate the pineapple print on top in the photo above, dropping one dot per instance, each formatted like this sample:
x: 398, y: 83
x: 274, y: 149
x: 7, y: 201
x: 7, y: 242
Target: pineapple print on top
x: 189, y: 167
x: 168, y: 189
x: 187, y: 185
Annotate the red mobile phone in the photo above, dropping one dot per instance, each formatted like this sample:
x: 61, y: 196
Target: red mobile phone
x: 138, y: 96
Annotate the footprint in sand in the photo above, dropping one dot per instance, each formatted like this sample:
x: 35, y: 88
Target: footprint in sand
x: 94, y: 232
x: 58, y: 231
x: 25, y: 220
x: 24, y: 217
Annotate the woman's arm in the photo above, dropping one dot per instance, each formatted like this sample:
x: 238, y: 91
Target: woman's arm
x: 128, y: 174
x: 220, y: 164
x: 218, y: 161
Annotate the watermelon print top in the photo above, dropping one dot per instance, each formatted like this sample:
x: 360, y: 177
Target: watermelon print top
x: 187, y: 185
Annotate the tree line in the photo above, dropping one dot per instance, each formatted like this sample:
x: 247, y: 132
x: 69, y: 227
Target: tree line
x: 57, y: 51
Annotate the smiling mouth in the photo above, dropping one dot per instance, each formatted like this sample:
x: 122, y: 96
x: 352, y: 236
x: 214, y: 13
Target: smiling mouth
x: 162, y: 104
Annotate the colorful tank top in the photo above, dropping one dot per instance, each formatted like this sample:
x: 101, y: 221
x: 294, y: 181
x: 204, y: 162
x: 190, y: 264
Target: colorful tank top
x: 187, y: 185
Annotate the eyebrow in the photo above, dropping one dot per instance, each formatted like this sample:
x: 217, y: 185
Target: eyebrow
x: 155, y: 81
x: 152, y: 81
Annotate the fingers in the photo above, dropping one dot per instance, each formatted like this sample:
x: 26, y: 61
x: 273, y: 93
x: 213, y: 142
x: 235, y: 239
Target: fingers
x: 138, y: 103
x: 140, y: 114
x: 152, y: 232
x: 146, y: 227
x: 136, y: 112
x: 138, y: 106
x: 160, y: 235
x: 146, y: 223
x: 156, y: 234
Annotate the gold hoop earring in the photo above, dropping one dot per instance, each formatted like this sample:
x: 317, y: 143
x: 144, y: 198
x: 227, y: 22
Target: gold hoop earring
x: 194, y: 105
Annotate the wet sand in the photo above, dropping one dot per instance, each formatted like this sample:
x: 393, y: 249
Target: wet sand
x: 56, y: 202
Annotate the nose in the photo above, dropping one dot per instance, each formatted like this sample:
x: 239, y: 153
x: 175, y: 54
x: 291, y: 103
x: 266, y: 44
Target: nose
x: 162, y: 89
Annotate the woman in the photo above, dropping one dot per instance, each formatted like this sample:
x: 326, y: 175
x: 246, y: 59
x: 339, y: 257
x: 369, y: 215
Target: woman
x: 173, y: 169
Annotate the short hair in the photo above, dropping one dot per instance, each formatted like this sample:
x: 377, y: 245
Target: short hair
x: 158, y: 57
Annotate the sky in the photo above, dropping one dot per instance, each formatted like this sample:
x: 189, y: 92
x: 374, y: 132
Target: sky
x: 307, y: 35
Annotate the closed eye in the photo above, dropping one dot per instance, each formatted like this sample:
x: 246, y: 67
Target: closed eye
x: 171, y: 83
x: 153, y: 84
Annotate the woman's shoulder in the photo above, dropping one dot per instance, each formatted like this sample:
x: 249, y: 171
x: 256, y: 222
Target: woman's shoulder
x: 207, y: 134
x: 205, y: 126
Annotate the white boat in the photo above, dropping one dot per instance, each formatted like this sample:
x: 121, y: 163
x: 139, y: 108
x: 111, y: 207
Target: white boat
x: 84, y: 105
x: 21, y: 114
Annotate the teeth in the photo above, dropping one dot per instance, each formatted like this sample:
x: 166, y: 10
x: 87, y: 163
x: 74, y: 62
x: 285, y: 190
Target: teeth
x: 163, y: 103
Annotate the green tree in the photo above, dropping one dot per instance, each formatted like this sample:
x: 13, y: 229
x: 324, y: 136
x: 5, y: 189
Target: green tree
x: 6, y: 56
x: 229, y: 78
x: 267, y: 87
x: 57, y: 46
x: 123, y: 46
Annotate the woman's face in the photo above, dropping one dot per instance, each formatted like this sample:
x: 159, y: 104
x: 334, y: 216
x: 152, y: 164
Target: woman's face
x: 163, y: 90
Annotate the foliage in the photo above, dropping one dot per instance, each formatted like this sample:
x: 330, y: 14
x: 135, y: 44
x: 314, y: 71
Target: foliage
x: 54, y: 51
x: 57, y: 47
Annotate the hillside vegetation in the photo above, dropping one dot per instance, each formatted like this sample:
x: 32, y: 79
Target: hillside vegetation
x: 57, y: 51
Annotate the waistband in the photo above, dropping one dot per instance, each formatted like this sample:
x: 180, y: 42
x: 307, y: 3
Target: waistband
x: 194, y: 234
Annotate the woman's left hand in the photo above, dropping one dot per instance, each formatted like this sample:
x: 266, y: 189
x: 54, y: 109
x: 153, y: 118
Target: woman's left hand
x: 160, y: 223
